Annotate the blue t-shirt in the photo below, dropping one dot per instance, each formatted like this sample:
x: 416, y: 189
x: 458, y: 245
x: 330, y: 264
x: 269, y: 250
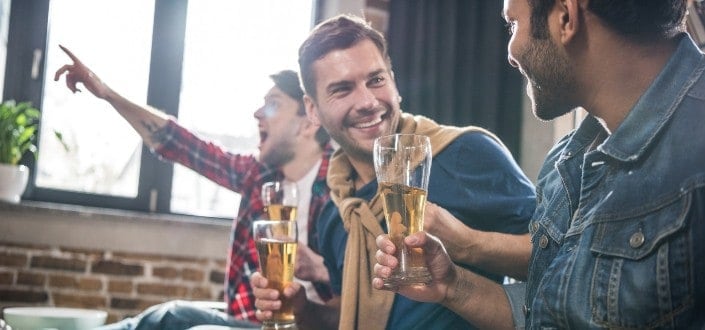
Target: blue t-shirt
x: 477, y: 181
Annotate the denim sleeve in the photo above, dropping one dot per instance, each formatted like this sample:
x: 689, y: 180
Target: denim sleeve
x: 516, y: 294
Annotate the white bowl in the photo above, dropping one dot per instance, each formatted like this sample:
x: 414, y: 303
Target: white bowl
x: 39, y: 318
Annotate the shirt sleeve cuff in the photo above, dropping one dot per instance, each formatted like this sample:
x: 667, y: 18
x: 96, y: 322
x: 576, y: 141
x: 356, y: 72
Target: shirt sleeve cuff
x: 516, y: 294
x: 165, y: 134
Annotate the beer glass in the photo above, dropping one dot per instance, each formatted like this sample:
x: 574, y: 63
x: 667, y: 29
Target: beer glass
x: 280, y: 200
x: 403, y: 166
x: 276, y: 248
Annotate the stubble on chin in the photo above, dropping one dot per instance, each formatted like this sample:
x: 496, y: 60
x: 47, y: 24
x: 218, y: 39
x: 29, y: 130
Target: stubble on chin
x: 551, y: 82
x: 278, y: 156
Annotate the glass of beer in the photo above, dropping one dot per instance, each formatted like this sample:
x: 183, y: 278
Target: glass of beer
x: 403, y: 166
x: 280, y: 200
x: 276, y: 248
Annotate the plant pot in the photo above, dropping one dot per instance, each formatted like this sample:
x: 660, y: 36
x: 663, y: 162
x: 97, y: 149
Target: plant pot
x: 13, y: 181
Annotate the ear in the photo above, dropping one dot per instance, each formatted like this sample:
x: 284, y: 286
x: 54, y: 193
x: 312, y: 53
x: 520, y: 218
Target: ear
x: 569, y: 19
x: 308, y: 128
x: 310, y: 106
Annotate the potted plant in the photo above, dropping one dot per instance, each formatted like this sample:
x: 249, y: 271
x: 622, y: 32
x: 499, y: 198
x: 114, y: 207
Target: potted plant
x: 18, y: 133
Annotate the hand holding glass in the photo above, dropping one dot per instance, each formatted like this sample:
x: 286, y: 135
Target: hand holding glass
x: 403, y: 166
x: 280, y: 200
x: 276, y: 246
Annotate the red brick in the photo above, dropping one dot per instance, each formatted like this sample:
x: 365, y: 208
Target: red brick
x: 165, y: 272
x: 63, y: 281
x: 73, y: 265
x: 117, y: 268
x: 90, y: 284
x: 201, y: 293
x: 13, y: 259
x: 116, y: 286
x: 7, y: 278
x: 217, y: 277
x: 221, y: 263
x: 23, y: 296
x: 33, y: 279
x: 195, y: 275
x: 78, y: 301
x: 162, y: 289
x: 82, y: 283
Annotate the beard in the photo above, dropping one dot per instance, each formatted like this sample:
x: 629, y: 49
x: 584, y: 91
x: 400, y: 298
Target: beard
x: 281, y: 153
x: 550, y: 79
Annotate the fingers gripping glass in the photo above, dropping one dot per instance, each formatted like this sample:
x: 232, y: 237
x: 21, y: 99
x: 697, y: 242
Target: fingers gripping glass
x: 276, y: 247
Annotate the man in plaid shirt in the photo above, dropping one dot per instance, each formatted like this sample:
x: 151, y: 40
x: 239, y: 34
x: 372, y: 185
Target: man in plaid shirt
x: 291, y: 148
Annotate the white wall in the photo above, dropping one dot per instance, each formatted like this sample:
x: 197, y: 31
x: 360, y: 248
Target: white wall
x: 537, y: 137
x: 331, y: 8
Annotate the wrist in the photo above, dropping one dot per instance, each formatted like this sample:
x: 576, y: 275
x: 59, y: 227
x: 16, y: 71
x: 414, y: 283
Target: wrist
x: 472, y: 247
x: 459, y: 289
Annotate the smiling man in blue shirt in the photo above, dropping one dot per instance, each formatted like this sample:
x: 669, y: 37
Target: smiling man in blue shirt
x: 350, y: 90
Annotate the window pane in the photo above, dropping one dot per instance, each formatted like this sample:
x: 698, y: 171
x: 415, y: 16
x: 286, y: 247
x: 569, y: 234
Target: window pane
x: 4, y: 24
x: 113, y: 37
x: 231, y: 49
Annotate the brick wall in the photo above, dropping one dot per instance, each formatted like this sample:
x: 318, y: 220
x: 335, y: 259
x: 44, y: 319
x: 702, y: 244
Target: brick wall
x: 123, y: 284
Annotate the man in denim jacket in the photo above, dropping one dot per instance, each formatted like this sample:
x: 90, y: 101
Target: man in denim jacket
x: 619, y: 231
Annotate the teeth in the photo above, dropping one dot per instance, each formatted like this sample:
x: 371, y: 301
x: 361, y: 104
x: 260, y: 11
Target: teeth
x: 369, y: 123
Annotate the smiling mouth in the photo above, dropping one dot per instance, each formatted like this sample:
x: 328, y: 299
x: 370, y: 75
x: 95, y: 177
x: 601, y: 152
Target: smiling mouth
x: 372, y: 122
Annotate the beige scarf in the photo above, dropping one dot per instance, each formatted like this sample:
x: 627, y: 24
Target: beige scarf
x: 362, y: 306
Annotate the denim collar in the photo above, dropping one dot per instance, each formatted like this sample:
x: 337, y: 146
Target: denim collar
x: 656, y: 106
x: 582, y: 137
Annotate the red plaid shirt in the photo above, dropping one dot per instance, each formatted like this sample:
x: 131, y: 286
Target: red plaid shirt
x: 244, y: 175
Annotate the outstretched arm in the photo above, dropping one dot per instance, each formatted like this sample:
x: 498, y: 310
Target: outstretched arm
x: 146, y: 121
x: 499, y: 253
x: 477, y: 299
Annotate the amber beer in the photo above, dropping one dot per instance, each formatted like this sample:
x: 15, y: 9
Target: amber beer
x: 276, y: 248
x: 280, y: 212
x: 276, y: 258
x: 280, y: 199
x: 404, y: 212
x: 403, y: 167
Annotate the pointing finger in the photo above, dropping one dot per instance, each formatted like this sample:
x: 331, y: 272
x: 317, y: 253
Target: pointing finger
x: 70, y: 54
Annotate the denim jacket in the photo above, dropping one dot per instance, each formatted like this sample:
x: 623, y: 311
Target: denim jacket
x: 619, y: 231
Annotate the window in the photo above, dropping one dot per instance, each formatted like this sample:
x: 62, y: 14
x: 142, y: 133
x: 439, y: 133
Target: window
x: 4, y: 18
x: 206, y: 62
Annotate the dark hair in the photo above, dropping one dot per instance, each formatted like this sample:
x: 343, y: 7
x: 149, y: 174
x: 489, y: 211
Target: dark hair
x: 639, y: 19
x: 288, y: 82
x: 339, y: 32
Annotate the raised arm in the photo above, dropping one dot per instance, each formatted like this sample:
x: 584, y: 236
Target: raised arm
x: 477, y: 299
x: 145, y: 120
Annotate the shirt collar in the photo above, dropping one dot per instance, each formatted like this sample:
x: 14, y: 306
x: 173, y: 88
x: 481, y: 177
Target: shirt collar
x: 656, y: 106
